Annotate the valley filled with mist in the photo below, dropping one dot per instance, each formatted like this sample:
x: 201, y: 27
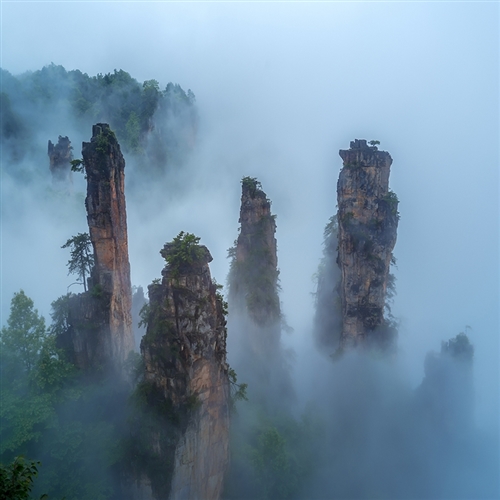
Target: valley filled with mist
x: 290, y: 214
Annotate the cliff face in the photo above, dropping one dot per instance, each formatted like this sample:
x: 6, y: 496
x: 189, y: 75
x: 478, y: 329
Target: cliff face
x: 100, y: 320
x: 255, y: 315
x: 60, y: 156
x: 184, y: 352
x: 367, y: 226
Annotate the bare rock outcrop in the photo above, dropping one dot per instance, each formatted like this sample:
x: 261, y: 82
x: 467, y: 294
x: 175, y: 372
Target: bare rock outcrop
x: 367, y: 229
x: 100, y: 324
x: 186, y: 378
x: 60, y: 156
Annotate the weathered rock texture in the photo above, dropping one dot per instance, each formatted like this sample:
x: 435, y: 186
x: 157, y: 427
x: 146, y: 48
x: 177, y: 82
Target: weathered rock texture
x: 255, y: 315
x: 100, y: 332
x: 60, y: 156
x: 367, y: 225
x: 186, y: 378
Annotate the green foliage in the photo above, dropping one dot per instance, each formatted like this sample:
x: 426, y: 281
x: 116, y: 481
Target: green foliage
x: 17, y: 478
x: 103, y: 140
x: 133, y: 128
x: 33, y: 373
x: 392, y: 200
x: 144, y: 315
x: 183, y: 251
x: 157, y: 327
x: 151, y: 97
x: 272, y: 457
x: 272, y: 465
x: 134, y: 367
x: 72, y: 423
x: 220, y: 298
x: 374, y: 143
x: 147, y: 121
x: 23, y: 338
x: 77, y: 166
x: 151, y: 419
x: 251, y: 184
x: 47, y: 412
x: 231, y: 251
x: 331, y: 229
x: 97, y: 291
x: 59, y: 315
x: 238, y: 392
x: 11, y: 125
x: 81, y: 257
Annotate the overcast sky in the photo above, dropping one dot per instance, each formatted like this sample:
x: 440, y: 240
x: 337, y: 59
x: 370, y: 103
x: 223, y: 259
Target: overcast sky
x: 281, y: 87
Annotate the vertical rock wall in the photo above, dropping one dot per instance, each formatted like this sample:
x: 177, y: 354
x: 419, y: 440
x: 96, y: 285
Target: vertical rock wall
x: 100, y: 332
x: 367, y: 220
x: 184, y: 352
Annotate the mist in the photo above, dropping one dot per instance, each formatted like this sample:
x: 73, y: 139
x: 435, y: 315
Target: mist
x: 280, y: 88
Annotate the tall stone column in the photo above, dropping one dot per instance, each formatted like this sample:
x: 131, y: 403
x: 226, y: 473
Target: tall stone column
x: 107, y: 219
x: 100, y: 334
x: 367, y: 229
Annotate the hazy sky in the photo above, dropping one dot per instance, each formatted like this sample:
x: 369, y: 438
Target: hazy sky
x: 281, y: 87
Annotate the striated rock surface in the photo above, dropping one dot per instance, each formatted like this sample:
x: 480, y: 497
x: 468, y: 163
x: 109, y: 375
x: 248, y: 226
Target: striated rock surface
x: 100, y: 332
x: 60, y: 156
x: 367, y: 229
x: 255, y: 315
x: 186, y: 377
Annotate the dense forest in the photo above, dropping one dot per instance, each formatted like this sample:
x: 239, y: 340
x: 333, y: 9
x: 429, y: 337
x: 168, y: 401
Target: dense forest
x: 157, y: 125
x: 190, y: 392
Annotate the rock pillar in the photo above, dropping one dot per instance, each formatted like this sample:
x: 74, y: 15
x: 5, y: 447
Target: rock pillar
x: 184, y: 353
x: 60, y: 156
x: 367, y: 226
x: 100, y: 324
x: 255, y: 321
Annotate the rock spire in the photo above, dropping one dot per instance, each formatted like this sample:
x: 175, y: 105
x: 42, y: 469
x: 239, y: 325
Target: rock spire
x: 60, y: 156
x: 100, y: 332
x: 254, y: 304
x: 186, y: 376
x: 367, y: 226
